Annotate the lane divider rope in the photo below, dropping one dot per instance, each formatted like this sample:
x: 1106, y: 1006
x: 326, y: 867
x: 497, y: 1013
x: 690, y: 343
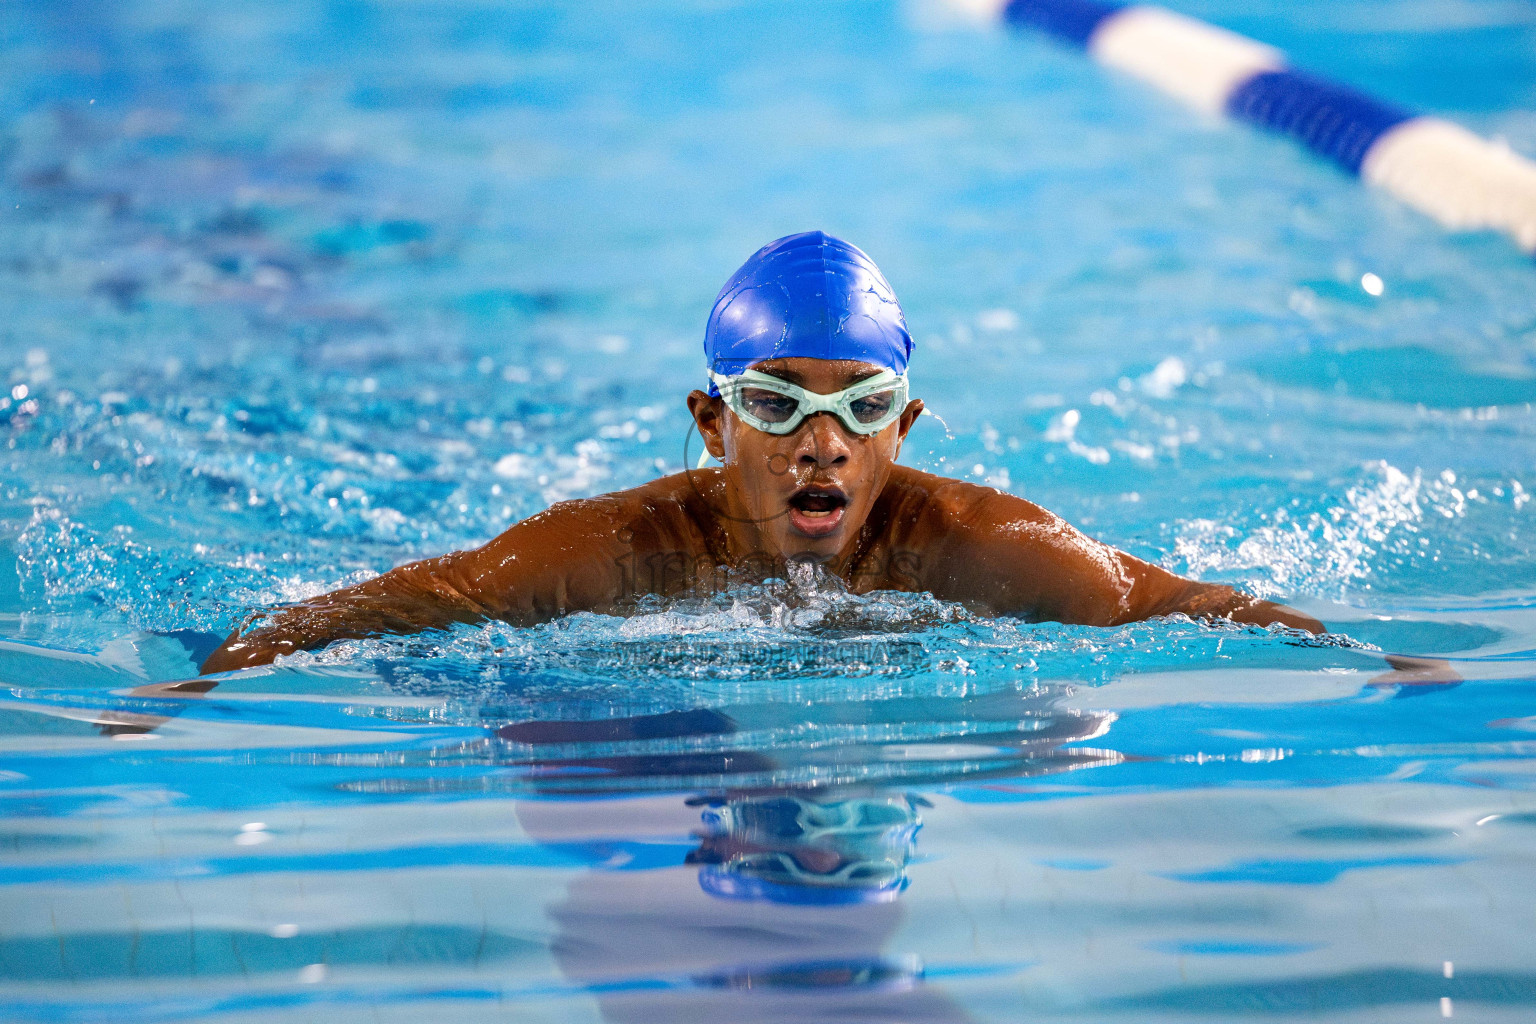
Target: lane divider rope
x: 1439, y: 168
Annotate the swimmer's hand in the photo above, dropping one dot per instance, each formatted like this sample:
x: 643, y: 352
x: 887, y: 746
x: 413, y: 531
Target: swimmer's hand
x: 121, y: 723
x: 1207, y: 600
x: 1410, y: 671
x: 240, y: 651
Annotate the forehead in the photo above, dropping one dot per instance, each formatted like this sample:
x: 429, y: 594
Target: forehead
x: 820, y: 375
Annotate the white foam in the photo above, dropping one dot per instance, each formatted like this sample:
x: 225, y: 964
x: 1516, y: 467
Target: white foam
x: 1195, y: 62
x: 1166, y: 378
x: 981, y: 10
x: 1465, y: 182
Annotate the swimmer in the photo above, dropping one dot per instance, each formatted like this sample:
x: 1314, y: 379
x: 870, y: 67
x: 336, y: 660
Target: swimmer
x: 807, y: 409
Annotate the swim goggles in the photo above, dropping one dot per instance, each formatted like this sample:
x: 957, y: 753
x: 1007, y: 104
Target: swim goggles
x: 776, y: 406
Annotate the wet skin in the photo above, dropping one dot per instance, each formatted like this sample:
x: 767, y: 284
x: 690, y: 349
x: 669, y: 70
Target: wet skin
x: 820, y: 494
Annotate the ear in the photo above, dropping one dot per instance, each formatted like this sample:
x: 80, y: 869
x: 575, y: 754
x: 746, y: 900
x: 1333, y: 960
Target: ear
x: 709, y: 415
x: 910, y: 415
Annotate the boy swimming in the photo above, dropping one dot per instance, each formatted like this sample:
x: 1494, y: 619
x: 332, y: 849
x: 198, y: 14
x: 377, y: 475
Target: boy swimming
x: 807, y: 409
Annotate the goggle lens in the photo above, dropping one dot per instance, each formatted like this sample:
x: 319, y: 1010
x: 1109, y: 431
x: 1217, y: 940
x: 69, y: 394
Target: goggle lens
x: 768, y: 406
x: 873, y: 408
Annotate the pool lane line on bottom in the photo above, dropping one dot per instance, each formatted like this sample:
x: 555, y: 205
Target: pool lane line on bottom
x: 1439, y: 168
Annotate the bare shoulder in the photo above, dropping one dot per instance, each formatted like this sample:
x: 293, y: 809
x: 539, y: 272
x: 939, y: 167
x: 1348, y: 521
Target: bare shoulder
x: 615, y: 508
x: 576, y: 554
x: 960, y: 509
x: 675, y: 491
x: 668, y: 514
x: 1004, y: 554
x: 672, y: 509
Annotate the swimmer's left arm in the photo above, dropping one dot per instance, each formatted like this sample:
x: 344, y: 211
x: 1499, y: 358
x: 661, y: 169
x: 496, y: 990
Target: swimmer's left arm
x: 1018, y: 558
x: 1156, y: 591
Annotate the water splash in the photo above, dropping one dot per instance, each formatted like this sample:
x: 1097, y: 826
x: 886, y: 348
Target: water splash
x: 1379, y: 526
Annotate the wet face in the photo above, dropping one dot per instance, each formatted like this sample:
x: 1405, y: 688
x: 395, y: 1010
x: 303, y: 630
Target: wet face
x: 804, y: 494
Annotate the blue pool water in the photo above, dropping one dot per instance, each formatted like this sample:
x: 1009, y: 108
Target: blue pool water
x: 295, y: 292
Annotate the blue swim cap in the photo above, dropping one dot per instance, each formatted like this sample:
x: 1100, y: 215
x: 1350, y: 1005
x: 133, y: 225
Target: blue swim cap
x: 806, y: 295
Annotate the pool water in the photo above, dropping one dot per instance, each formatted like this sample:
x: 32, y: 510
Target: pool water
x: 296, y: 292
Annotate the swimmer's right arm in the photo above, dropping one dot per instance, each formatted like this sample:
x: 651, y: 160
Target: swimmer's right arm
x: 555, y: 562
x: 429, y: 594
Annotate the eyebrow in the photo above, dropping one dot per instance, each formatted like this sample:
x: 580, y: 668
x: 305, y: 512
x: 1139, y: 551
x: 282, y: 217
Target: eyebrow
x: 798, y: 379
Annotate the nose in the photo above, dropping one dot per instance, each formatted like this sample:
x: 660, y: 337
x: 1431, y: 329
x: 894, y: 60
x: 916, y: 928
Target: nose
x: 822, y: 442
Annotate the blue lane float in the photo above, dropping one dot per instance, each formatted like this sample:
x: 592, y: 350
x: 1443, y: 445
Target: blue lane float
x: 1330, y: 120
x: 1465, y: 182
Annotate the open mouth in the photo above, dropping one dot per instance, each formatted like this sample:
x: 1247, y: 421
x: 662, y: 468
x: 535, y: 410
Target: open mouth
x: 817, y: 511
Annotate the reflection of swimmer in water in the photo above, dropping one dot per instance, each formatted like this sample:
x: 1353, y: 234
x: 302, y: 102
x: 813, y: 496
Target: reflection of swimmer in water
x: 787, y: 908
x: 808, y: 326
x: 786, y: 911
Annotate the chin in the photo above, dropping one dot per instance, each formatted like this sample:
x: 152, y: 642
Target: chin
x: 820, y: 545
